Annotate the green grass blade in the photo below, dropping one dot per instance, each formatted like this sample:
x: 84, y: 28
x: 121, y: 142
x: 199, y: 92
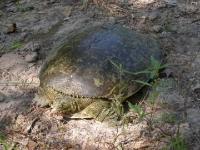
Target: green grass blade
x: 115, y: 64
x: 164, y: 66
x: 137, y: 73
x: 142, y: 82
x: 131, y: 106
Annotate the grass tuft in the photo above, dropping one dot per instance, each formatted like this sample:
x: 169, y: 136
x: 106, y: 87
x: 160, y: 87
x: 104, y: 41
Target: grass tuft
x: 16, y: 45
x: 138, y: 110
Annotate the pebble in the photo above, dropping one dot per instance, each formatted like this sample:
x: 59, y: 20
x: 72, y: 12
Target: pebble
x: 31, y: 57
x: 34, y: 47
x: 11, y: 9
x: 67, y: 11
x: 173, y: 28
x: 50, y: 2
x: 112, y: 20
x: 157, y: 28
x: 11, y: 28
x: 197, y: 86
x: 66, y: 19
x: 171, y: 2
x: 165, y: 34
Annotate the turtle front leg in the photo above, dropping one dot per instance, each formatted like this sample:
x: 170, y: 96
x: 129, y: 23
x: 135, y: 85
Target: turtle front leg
x: 71, y: 105
x: 100, y: 110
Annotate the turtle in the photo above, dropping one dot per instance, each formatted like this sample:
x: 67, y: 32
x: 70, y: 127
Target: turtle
x: 90, y: 70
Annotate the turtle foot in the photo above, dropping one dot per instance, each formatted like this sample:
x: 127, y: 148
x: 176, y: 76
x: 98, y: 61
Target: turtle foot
x: 99, y: 110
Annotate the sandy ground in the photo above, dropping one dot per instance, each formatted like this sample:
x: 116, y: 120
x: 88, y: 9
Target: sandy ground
x: 43, y: 25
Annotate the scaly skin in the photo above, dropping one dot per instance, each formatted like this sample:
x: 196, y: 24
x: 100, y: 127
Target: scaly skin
x: 83, y: 107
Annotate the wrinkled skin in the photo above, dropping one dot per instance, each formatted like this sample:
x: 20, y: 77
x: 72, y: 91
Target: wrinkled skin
x: 81, y: 77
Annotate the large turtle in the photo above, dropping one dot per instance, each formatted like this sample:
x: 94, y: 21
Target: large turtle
x: 88, y: 72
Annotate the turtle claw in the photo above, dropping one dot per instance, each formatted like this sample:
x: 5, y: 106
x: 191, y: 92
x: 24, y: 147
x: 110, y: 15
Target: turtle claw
x: 97, y: 110
x: 80, y: 115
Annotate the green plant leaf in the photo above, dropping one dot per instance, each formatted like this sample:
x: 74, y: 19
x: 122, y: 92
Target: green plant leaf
x: 178, y: 143
x: 138, y: 110
x: 155, y: 63
x: 16, y: 45
x: 131, y: 106
x: 3, y: 142
x: 164, y: 66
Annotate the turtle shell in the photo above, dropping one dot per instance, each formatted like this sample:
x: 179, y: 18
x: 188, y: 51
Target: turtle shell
x: 92, y: 63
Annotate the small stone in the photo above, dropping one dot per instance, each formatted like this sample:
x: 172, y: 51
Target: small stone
x: 157, y: 28
x: 165, y: 34
x: 66, y: 19
x: 196, y: 87
x: 52, y: 1
x: 11, y: 28
x: 25, y: 35
x: 12, y: 9
x: 173, y: 29
x: 34, y: 47
x: 31, y: 57
x: 171, y: 2
x: 112, y: 20
x: 67, y: 11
